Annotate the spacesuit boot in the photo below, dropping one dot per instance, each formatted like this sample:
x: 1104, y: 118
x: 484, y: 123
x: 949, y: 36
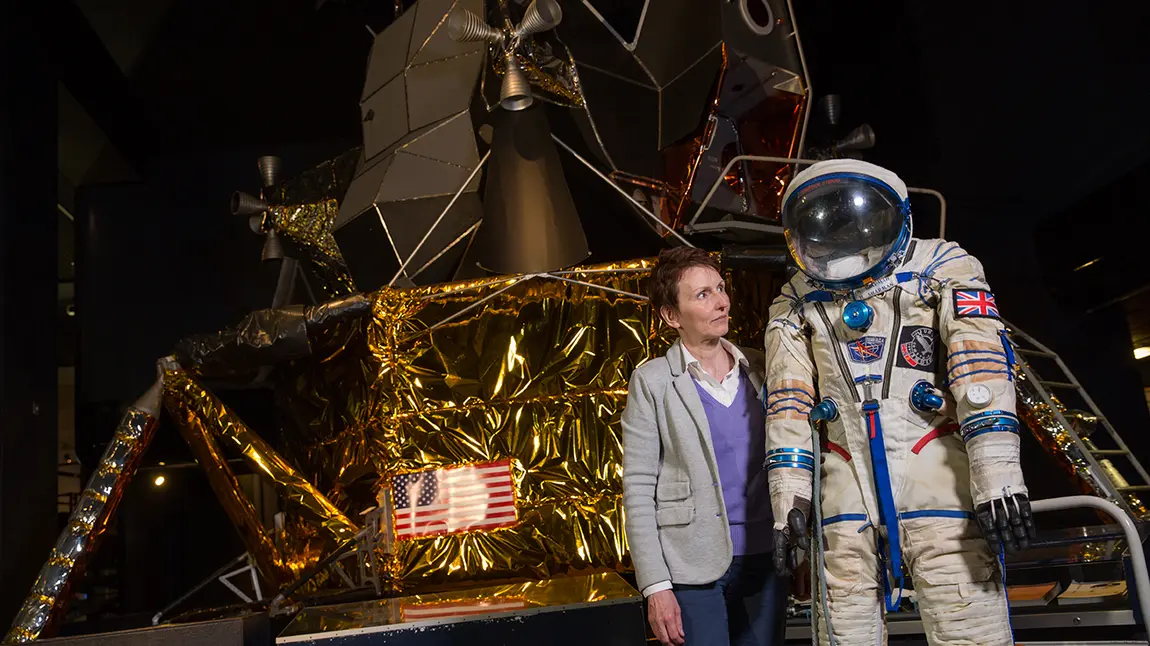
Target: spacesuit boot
x: 900, y: 355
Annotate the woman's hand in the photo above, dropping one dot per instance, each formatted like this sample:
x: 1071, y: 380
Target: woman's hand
x: 663, y: 613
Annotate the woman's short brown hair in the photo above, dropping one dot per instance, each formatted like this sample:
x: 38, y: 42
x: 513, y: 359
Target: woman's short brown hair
x: 663, y: 286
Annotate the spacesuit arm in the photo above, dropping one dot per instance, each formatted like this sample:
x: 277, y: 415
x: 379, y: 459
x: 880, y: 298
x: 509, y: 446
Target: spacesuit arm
x: 979, y: 373
x: 790, y: 378
x: 641, y: 451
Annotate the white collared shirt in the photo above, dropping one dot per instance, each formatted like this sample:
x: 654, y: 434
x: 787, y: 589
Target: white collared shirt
x: 723, y: 390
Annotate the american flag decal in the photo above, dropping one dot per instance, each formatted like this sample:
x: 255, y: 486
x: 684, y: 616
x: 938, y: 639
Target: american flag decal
x: 975, y: 303
x: 445, y: 609
x: 454, y: 499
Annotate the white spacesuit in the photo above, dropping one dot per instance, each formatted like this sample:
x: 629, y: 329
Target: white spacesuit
x: 892, y: 339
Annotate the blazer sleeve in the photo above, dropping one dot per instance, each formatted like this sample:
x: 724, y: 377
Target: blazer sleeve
x: 641, y: 449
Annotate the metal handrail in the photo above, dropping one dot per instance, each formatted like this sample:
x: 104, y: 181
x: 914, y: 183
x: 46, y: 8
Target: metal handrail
x: 799, y: 161
x: 1134, y: 541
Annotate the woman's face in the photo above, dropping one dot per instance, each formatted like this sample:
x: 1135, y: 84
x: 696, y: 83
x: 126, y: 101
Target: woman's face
x: 703, y: 306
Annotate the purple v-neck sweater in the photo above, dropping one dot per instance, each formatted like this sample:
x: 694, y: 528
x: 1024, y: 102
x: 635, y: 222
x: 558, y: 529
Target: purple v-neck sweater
x: 738, y: 434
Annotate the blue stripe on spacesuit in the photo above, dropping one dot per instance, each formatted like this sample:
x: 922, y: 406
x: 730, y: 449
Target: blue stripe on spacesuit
x: 842, y: 518
x: 790, y: 458
x: 995, y: 353
x: 772, y: 411
x: 994, y: 360
x: 977, y: 372
x: 790, y: 390
x: 937, y: 513
x: 793, y: 399
x: 888, y: 516
x: 784, y: 321
x: 1009, y: 350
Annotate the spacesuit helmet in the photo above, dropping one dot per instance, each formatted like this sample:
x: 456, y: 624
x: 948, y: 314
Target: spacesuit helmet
x: 846, y: 222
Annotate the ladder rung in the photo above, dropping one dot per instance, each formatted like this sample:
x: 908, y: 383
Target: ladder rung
x: 1108, y: 452
x: 1035, y: 353
x: 1134, y: 488
x: 1058, y: 384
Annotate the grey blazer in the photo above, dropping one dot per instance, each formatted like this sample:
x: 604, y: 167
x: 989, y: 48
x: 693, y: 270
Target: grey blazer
x: 676, y: 518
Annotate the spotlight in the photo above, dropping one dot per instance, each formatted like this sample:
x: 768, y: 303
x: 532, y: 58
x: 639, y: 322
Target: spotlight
x: 1141, y: 353
x: 159, y: 481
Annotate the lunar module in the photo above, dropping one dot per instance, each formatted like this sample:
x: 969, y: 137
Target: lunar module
x: 450, y: 359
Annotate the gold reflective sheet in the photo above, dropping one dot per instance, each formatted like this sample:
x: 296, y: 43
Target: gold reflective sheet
x: 536, y: 373
x: 305, y: 208
x: 203, y: 418
x: 531, y: 595
x: 1059, y: 442
x: 42, y: 609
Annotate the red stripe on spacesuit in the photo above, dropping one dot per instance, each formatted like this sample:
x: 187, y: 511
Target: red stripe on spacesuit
x: 838, y: 449
x: 936, y: 433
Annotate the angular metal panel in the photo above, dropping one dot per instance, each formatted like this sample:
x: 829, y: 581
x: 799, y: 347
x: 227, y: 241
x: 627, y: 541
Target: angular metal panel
x: 431, y: 42
x: 625, y: 116
x: 362, y: 192
x: 384, y: 116
x: 451, y: 142
x: 388, y: 54
x: 592, y: 44
x: 675, y: 34
x: 683, y: 104
x: 440, y: 89
x: 411, y: 177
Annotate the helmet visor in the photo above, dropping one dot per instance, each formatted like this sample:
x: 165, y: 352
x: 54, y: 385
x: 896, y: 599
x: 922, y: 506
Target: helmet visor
x: 840, y: 226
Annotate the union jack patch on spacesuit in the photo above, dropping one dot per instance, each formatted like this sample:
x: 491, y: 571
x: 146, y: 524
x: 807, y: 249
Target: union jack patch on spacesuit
x: 975, y: 303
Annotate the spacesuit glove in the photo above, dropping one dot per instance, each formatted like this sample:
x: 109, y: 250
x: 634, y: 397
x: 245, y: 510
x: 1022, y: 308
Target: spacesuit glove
x: 1006, y: 522
x: 790, y: 542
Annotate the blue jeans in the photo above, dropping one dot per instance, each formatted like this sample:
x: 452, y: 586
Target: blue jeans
x: 745, y: 607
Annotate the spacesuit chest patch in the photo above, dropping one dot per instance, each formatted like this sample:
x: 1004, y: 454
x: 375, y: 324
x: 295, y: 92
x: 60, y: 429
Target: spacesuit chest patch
x: 867, y: 349
x: 917, y: 346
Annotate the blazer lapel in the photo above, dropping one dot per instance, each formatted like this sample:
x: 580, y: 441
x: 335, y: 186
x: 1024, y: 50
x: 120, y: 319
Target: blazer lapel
x: 685, y: 386
x: 689, y: 395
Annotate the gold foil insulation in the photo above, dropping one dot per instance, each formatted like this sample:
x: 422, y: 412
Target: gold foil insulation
x: 44, y: 607
x: 304, y: 210
x: 203, y: 419
x: 514, y: 597
x: 530, y: 369
x: 1059, y: 442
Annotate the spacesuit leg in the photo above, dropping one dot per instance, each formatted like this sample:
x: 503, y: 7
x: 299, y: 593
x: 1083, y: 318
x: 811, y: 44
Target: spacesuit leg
x: 956, y: 578
x: 853, y: 584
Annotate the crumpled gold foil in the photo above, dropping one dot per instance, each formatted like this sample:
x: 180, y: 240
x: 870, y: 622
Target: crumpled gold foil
x: 1058, y: 440
x: 561, y: 591
x: 46, y: 603
x: 201, y: 418
x: 304, y: 209
x: 439, y: 376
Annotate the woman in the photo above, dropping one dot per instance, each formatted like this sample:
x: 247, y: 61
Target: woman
x: 698, y: 512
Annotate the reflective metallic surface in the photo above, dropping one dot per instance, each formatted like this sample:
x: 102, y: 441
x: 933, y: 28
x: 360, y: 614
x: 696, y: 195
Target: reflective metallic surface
x: 531, y: 595
x: 304, y: 209
x: 46, y: 602
x: 536, y: 373
x: 203, y: 419
x: 1057, y: 440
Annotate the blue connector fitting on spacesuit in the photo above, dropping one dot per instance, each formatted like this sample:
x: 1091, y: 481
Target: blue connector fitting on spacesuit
x: 858, y: 316
x: 825, y: 411
x: 924, y: 398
